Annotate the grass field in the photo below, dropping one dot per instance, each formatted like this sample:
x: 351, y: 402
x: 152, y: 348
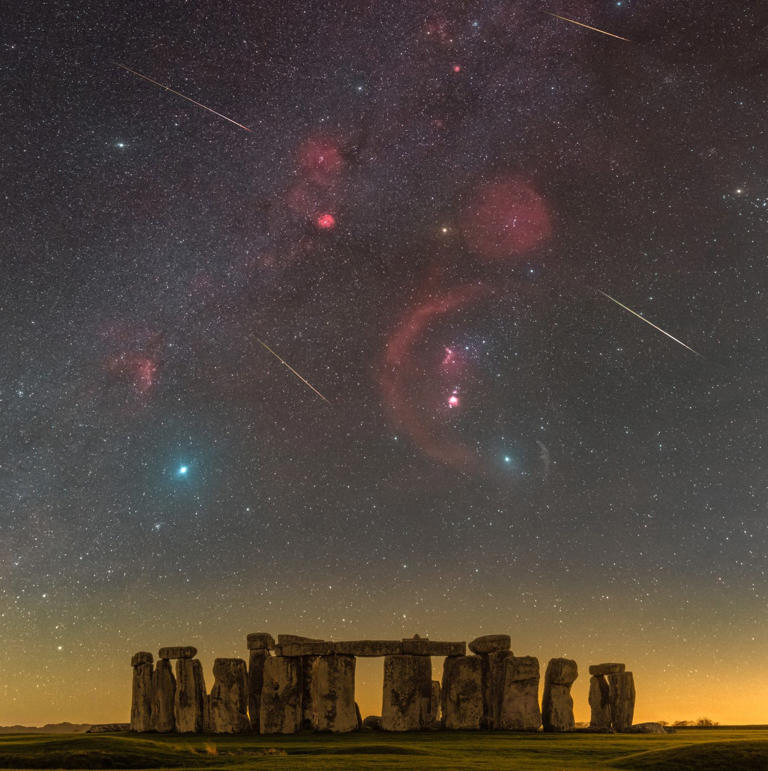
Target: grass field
x: 707, y: 749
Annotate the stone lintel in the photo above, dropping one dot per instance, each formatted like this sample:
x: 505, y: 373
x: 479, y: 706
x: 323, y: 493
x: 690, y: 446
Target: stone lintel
x: 490, y: 643
x: 369, y: 648
x: 421, y: 647
x: 606, y: 669
x: 318, y: 648
x: 177, y: 652
x: 292, y: 639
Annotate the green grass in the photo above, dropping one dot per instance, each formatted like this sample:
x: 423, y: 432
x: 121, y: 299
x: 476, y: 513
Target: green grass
x: 708, y: 749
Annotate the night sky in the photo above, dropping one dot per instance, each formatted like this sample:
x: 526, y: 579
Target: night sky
x: 421, y: 221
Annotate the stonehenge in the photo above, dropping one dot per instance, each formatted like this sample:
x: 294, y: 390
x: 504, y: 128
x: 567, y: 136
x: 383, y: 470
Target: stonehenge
x: 298, y: 683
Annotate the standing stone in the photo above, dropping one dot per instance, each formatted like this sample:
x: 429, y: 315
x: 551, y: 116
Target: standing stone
x: 257, y: 641
x: 434, y: 705
x: 622, y: 700
x: 519, y: 709
x: 141, y: 692
x: 189, y: 705
x: 280, y: 708
x: 599, y: 702
x: 493, y: 686
x: 462, y: 693
x: 557, y: 703
x: 163, y: 697
x: 255, y: 682
x: 333, y: 694
x: 407, y: 693
x: 305, y: 671
x: 229, y: 697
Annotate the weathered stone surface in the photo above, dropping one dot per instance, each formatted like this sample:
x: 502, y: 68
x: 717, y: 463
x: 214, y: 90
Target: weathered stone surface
x: 163, y: 697
x: 255, y: 682
x: 142, y: 657
x: 557, y: 703
x: 647, y: 728
x: 606, y: 669
x: 562, y: 671
x: 141, y: 696
x: 622, y: 699
x: 493, y: 686
x: 229, y: 697
x: 490, y: 643
x: 462, y: 693
x: 257, y: 641
x: 177, y: 652
x: 434, y: 702
x: 366, y: 648
x: 407, y: 693
x: 416, y: 646
x: 305, y: 672
x: 319, y: 648
x: 189, y: 705
x: 373, y: 722
x: 599, y: 703
x: 293, y: 639
x: 333, y: 694
x: 280, y: 708
x: 519, y: 708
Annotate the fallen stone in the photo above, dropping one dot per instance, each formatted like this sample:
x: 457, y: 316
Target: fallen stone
x: 647, y: 728
x: 407, y: 693
x: 141, y: 694
x: 462, y: 693
x: 333, y: 694
x: 557, y: 703
x: 490, y: 643
x: 599, y: 702
x: 519, y: 708
x: 229, y: 697
x: 622, y: 700
x: 422, y: 647
x: 280, y: 708
x: 255, y: 682
x: 142, y: 657
x: 109, y: 728
x: 163, y: 697
x: 189, y: 705
x: 177, y: 652
x: 368, y: 648
x: 606, y: 669
x: 373, y: 722
x: 257, y: 641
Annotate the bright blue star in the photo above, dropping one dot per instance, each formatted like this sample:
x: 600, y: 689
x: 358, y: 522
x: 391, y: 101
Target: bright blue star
x: 183, y: 470
x: 507, y: 459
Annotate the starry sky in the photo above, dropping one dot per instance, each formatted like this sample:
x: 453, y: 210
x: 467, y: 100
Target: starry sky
x: 420, y: 218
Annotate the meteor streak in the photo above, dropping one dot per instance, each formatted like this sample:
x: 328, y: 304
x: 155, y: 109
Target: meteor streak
x: 178, y: 93
x: 642, y: 318
x: 286, y: 364
x: 594, y: 29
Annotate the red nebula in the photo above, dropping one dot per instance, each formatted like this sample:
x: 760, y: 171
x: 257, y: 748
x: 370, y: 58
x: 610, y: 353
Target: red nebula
x: 456, y: 68
x: 401, y: 368
x: 505, y: 218
x: 320, y: 160
x: 326, y: 221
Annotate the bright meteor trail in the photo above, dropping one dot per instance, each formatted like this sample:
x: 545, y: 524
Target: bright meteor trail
x: 286, y: 364
x: 178, y: 93
x: 642, y: 318
x: 594, y: 29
